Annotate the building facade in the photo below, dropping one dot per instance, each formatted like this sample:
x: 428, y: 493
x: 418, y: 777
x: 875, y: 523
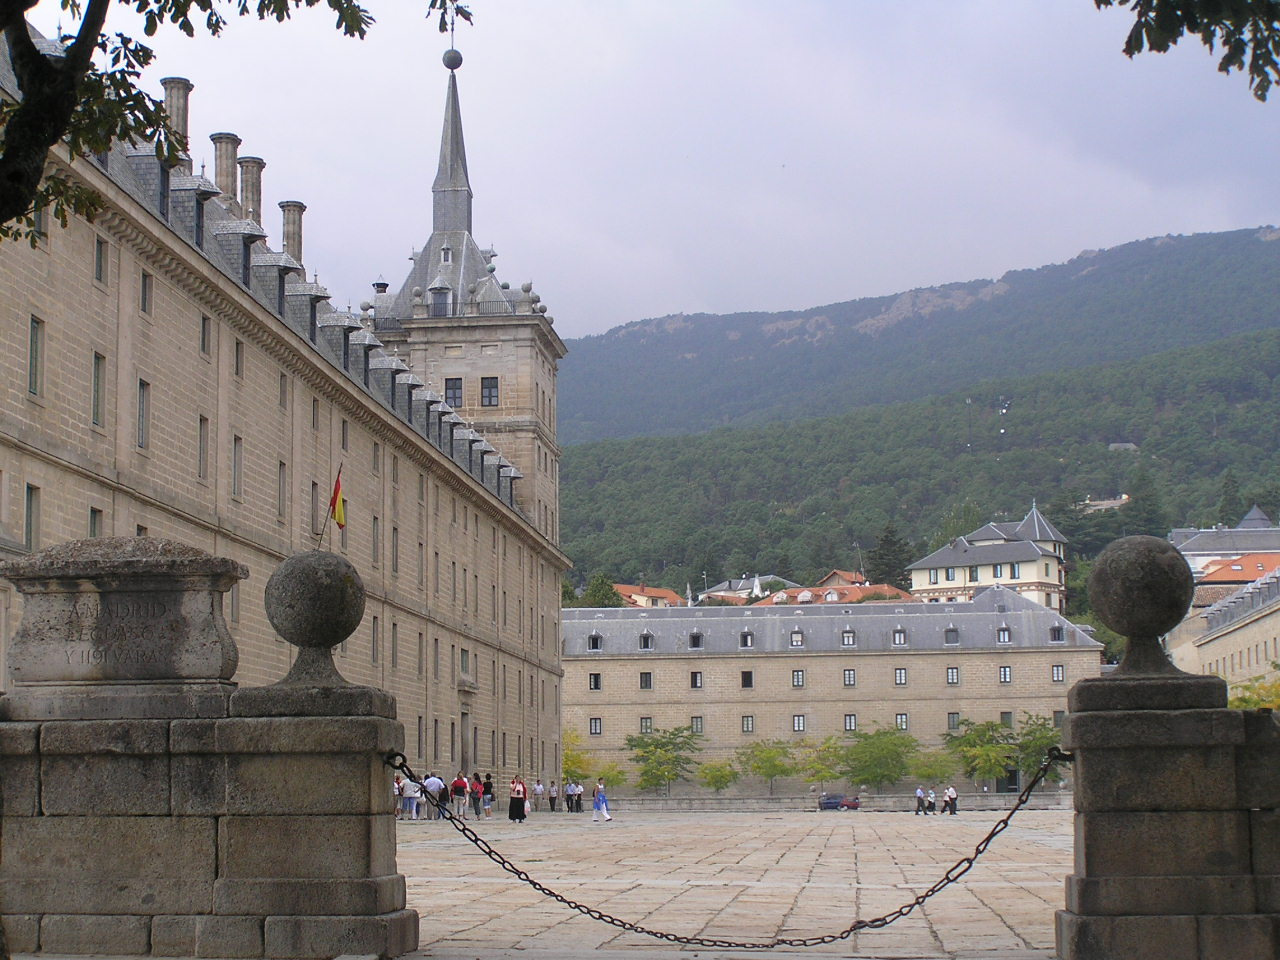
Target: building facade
x: 741, y: 675
x: 1237, y: 638
x: 167, y: 373
x: 1026, y: 557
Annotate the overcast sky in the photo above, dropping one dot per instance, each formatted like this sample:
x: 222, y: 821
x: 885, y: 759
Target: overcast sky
x: 636, y: 158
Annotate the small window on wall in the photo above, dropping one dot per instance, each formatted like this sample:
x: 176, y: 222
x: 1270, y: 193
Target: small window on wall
x: 646, y: 724
x: 646, y: 680
x: 695, y: 724
x: 695, y: 679
x: 900, y: 676
x: 748, y: 679
x: 797, y: 678
x: 797, y: 723
x: 593, y: 681
x: 1006, y: 718
x: 595, y: 726
x: 850, y: 678
x: 488, y: 391
x: 748, y: 724
x: 953, y: 721
x: 953, y: 676
x: 850, y: 722
x: 900, y: 721
x: 453, y: 391
x: 1058, y: 673
x: 1006, y: 674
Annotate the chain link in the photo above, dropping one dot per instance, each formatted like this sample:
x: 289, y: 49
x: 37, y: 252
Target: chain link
x: 400, y: 763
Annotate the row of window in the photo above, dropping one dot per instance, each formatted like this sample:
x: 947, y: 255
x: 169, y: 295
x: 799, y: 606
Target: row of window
x: 848, y: 638
x: 997, y: 572
x: 1057, y: 674
x: 800, y: 722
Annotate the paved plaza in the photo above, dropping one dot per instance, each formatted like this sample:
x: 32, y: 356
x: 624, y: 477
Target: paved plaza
x: 739, y: 876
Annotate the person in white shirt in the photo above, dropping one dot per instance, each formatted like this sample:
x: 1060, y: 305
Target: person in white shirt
x: 538, y: 791
x: 411, y: 794
x: 553, y: 794
x: 434, y: 786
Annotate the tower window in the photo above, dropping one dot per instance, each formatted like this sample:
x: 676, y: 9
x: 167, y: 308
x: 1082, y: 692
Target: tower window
x: 453, y: 391
x: 488, y: 391
x: 446, y: 255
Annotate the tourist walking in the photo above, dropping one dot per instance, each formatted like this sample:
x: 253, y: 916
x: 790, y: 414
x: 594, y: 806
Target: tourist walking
x: 931, y: 805
x: 459, y: 788
x: 599, y: 802
x: 475, y: 792
x: 920, y: 807
x: 950, y: 800
x: 552, y: 795
x: 411, y: 792
x: 538, y: 791
x: 486, y: 796
x: 435, y: 797
x: 516, y: 812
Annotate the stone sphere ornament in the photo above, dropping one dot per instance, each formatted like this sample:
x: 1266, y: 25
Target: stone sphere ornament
x: 315, y: 600
x: 1141, y: 587
x: 452, y: 59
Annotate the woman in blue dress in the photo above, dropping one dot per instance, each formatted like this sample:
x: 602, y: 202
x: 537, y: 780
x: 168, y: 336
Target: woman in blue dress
x: 599, y: 802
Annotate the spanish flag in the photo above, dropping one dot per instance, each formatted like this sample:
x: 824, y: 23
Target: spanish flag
x: 335, y: 502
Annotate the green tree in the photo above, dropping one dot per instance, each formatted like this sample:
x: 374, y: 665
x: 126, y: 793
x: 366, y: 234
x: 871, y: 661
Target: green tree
x: 1246, y: 31
x: 664, y: 756
x: 1257, y: 694
x: 985, y: 750
x: 1145, y: 512
x: 1036, y: 734
x: 568, y: 595
x: 69, y: 97
x: 880, y: 758
x: 719, y: 775
x: 959, y: 519
x: 767, y: 759
x: 887, y: 562
x: 934, y: 766
x: 600, y: 593
x: 575, y: 761
x: 1230, y: 501
x: 614, y: 775
x: 820, y: 762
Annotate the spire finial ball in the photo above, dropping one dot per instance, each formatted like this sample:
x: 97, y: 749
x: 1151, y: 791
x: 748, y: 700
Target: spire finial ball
x: 452, y: 59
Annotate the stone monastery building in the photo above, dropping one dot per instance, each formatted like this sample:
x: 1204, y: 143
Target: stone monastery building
x: 741, y: 674
x: 167, y: 372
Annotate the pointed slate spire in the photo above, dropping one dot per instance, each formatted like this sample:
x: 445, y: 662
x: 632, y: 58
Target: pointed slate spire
x: 451, y: 206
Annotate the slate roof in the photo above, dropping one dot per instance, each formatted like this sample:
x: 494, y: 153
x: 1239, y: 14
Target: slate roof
x: 975, y: 623
x: 962, y: 553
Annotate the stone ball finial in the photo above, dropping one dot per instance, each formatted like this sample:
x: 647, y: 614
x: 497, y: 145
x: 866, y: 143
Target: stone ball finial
x: 315, y: 600
x: 452, y: 59
x: 1141, y: 587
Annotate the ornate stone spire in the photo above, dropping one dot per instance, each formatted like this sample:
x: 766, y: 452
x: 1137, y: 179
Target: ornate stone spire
x: 451, y: 191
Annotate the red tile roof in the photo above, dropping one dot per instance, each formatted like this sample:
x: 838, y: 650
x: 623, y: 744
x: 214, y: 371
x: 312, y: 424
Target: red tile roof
x: 1242, y: 569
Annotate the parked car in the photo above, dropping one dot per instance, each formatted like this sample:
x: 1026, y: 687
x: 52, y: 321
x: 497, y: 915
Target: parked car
x: 838, y: 801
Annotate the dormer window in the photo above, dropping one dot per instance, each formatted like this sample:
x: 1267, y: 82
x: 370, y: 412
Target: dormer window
x: 595, y: 642
x: 1056, y: 635
x: 446, y: 255
x: 899, y: 637
x: 1003, y: 635
x: 199, y: 224
x: 848, y: 638
x: 951, y: 636
x: 646, y: 641
x: 246, y: 262
x: 797, y: 638
x: 745, y: 640
x: 695, y: 641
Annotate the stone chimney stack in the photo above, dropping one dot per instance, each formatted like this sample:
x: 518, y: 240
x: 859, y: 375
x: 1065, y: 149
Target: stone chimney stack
x: 177, y: 92
x: 251, y: 187
x: 225, y: 147
x: 293, y: 210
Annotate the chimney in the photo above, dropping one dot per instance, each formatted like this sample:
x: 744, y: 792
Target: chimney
x: 225, y: 146
x: 177, y: 91
x: 251, y: 187
x: 293, y: 210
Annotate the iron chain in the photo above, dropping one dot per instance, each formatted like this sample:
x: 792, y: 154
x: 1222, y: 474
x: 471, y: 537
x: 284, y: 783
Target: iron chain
x: 400, y: 763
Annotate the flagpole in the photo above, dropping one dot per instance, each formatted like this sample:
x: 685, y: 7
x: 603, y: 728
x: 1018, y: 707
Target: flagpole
x: 329, y: 513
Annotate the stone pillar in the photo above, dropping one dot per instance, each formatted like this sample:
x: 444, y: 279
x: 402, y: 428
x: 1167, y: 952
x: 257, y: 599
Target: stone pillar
x: 177, y: 96
x: 225, y: 148
x: 292, y: 211
x: 1177, y: 834
x: 205, y: 820
x: 251, y: 187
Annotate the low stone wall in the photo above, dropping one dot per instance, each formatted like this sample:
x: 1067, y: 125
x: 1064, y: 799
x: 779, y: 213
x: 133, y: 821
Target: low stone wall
x: 1047, y: 797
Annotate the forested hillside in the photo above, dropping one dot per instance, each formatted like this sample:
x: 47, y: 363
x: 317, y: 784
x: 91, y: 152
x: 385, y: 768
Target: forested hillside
x: 793, y: 498
x: 687, y: 374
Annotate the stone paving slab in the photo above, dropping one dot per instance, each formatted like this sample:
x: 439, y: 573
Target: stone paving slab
x: 739, y: 876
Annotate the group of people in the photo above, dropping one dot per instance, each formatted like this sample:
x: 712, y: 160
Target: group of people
x: 927, y: 802
x: 428, y: 799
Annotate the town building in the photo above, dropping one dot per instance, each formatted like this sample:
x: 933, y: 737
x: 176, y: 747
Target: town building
x: 744, y: 589
x: 168, y: 373
x: 1025, y: 556
x: 861, y: 593
x: 642, y: 595
x: 739, y: 675
x: 1237, y: 638
x: 1255, y: 533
